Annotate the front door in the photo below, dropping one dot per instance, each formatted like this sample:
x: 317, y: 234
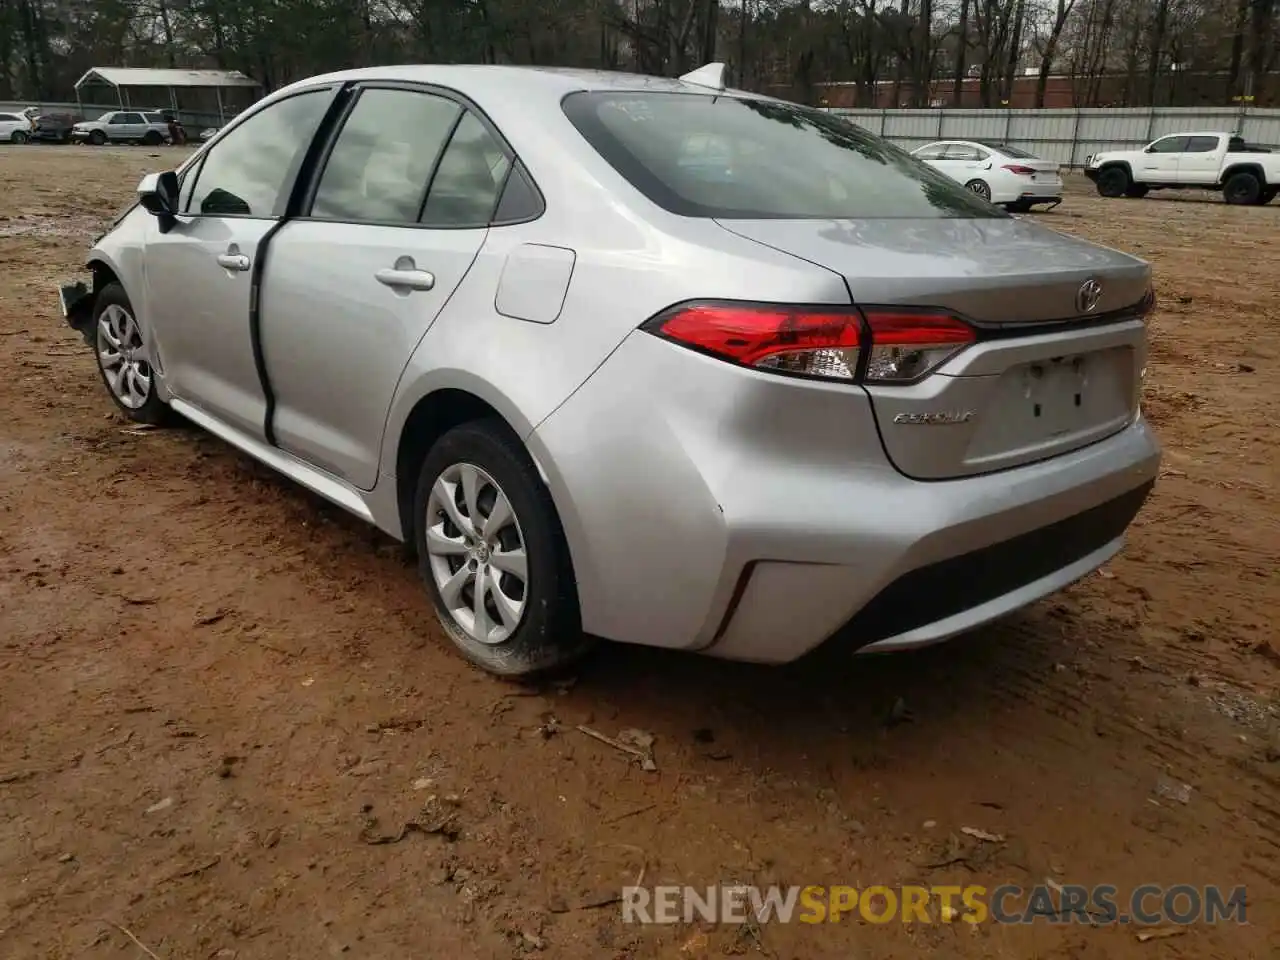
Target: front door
x: 1159, y: 162
x: 351, y: 288
x: 200, y: 274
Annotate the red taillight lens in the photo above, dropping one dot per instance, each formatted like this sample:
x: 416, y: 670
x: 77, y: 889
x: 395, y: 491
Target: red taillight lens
x: 907, y: 345
x: 901, y: 345
x: 1019, y: 169
x: 795, y: 340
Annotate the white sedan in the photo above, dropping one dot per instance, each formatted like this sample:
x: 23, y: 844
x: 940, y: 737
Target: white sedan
x: 996, y: 172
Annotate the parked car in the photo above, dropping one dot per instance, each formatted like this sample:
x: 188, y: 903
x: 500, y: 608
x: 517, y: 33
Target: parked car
x: 53, y: 127
x: 14, y: 128
x: 1246, y: 174
x: 122, y: 126
x: 726, y: 407
x: 997, y: 172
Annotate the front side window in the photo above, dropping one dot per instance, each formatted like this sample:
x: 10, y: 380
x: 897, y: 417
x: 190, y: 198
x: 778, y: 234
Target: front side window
x: 379, y: 167
x: 1170, y: 145
x: 784, y: 161
x: 246, y: 172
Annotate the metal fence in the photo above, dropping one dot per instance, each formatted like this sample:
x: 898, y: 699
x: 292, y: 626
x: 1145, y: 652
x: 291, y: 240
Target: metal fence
x: 1067, y: 136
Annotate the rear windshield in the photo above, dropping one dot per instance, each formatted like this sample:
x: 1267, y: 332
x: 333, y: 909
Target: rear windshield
x: 730, y: 157
x: 1009, y: 151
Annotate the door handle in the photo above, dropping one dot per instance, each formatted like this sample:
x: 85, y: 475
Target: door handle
x: 233, y: 261
x: 406, y: 279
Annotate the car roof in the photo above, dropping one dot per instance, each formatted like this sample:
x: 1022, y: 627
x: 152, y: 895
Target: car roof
x: 484, y: 80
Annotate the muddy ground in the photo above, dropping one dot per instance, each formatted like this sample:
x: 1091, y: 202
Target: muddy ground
x: 212, y: 684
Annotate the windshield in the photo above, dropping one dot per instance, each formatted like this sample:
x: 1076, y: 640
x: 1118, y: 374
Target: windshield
x: 730, y: 157
x: 1009, y: 151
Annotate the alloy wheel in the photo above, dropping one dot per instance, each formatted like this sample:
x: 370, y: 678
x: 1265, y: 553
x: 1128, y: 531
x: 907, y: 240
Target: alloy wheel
x: 476, y: 552
x: 123, y: 357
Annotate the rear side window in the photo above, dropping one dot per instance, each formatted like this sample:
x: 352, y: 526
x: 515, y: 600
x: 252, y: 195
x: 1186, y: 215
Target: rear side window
x: 770, y: 161
x: 379, y: 167
x: 464, y: 191
x: 1202, y: 145
x: 932, y: 152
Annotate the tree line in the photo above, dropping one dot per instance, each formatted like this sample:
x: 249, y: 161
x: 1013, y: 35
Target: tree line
x: 1115, y: 52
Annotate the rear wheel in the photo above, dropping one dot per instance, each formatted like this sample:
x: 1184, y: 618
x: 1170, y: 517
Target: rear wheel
x: 1242, y: 189
x: 979, y: 188
x: 1114, y: 182
x: 124, y: 358
x: 97, y: 138
x: 493, y: 555
x: 19, y: 136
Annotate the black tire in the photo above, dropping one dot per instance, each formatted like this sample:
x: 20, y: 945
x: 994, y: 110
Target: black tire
x: 152, y: 139
x: 97, y: 138
x: 548, y: 637
x: 1136, y: 191
x: 979, y: 188
x: 152, y: 409
x: 19, y: 136
x: 1242, y: 189
x: 1114, y: 182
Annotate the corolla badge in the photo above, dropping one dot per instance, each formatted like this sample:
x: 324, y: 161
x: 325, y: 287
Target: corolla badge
x: 944, y: 418
x: 1088, y: 295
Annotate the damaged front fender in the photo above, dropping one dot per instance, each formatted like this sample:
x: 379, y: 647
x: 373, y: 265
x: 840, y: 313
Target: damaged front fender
x: 76, y: 300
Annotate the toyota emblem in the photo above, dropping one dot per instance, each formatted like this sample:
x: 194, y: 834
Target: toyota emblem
x: 1088, y: 295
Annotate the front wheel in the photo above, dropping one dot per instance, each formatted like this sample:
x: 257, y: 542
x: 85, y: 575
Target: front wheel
x: 979, y: 188
x: 97, y: 138
x: 493, y: 555
x: 152, y: 139
x: 19, y: 136
x: 124, y: 358
x: 1114, y: 182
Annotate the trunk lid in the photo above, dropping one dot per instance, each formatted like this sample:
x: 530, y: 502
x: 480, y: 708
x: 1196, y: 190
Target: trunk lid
x: 1025, y: 391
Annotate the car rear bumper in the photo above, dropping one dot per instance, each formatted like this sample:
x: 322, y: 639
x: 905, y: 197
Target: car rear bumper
x: 753, y: 517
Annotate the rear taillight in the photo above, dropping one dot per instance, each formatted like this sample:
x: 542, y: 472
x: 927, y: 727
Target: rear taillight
x: 1019, y: 169
x: 907, y: 345
x: 883, y: 345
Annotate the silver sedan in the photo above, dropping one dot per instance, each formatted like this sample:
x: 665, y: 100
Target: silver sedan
x: 635, y: 358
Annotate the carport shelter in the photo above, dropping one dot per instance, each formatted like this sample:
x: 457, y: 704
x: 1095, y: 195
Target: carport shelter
x: 200, y: 97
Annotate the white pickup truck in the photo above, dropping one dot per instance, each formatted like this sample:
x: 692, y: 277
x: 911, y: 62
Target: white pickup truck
x: 1246, y: 174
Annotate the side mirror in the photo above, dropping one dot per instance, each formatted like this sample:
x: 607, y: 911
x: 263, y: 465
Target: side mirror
x: 158, y: 194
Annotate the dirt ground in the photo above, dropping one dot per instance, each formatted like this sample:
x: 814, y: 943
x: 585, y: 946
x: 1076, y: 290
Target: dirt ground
x: 212, y: 683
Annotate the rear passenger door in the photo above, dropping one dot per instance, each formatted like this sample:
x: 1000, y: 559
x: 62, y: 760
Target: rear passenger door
x: 1201, y: 161
x: 398, y: 212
